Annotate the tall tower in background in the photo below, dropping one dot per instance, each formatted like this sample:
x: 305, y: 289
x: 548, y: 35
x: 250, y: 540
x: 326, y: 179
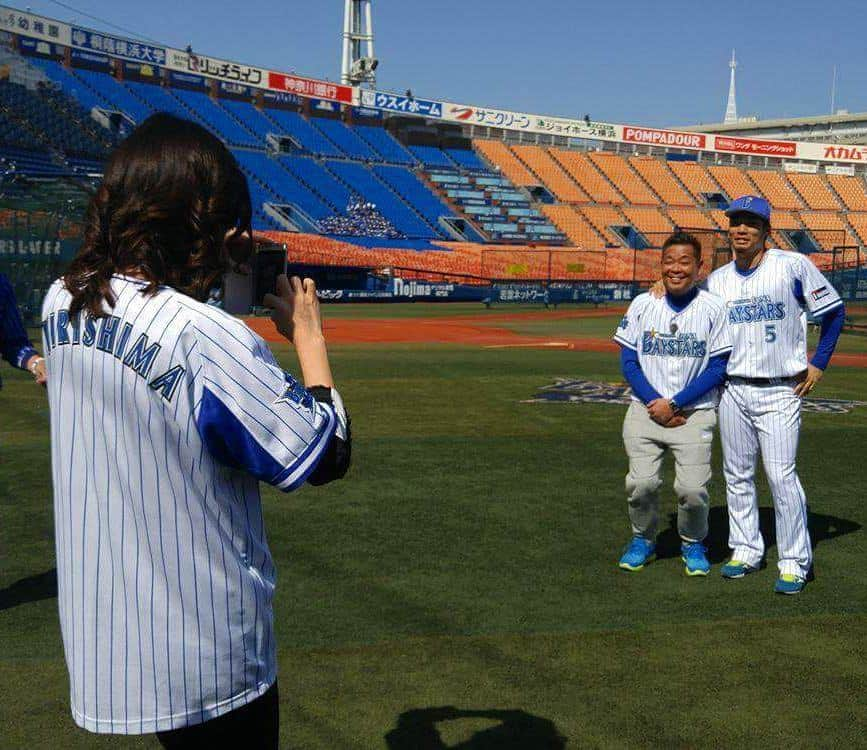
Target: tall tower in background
x: 732, y: 107
x: 359, y: 64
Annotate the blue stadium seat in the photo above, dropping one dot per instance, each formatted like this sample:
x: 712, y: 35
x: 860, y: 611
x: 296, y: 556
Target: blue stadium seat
x: 310, y: 139
x: 319, y: 179
x: 431, y: 156
x: 346, y: 138
x: 251, y: 118
x: 391, y: 150
x: 467, y: 159
x: 71, y: 85
x: 414, y: 192
x: 389, y: 204
x: 281, y: 183
x: 229, y: 129
x: 158, y: 99
x: 114, y: 94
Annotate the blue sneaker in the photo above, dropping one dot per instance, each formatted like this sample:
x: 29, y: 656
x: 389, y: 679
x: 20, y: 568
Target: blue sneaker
x: 694, y: 559
x: 736, y: 569
x: 790, y: 584
x: 637, y: 554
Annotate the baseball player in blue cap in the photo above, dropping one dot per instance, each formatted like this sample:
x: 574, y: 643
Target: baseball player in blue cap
x: 767, y: 293
x: 15, y: 346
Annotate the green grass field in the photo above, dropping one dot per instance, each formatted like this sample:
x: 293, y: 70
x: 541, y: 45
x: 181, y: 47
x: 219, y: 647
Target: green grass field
x: 463, y: 576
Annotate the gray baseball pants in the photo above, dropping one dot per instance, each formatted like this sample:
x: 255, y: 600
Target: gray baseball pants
x: 646, y: 443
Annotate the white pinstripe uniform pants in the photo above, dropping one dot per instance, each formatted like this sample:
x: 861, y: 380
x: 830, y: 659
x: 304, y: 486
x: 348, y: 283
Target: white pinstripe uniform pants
x: 766, y: 419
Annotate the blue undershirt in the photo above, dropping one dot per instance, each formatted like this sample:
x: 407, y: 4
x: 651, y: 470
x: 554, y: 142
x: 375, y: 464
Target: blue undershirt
x: 832, y: 325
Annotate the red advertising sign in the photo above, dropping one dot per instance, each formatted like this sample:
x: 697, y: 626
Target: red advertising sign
x: 663, y: 137
x: 310, y: 87
x: 754, y: 146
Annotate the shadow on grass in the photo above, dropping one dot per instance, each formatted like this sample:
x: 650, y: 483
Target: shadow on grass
x: 822, y: 527
x: 30, y: 589
x: 517, y: 730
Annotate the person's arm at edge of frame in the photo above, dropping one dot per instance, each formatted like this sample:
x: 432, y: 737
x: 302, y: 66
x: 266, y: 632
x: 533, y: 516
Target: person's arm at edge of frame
x: 301, y: 325
x: 15, y: 346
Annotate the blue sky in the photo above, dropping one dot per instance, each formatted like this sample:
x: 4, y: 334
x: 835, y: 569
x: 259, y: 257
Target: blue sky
x: 655, y: 63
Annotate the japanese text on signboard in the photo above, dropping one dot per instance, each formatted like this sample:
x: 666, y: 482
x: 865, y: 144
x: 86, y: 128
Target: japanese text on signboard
x: 110, y: 45
x: 407, y: 104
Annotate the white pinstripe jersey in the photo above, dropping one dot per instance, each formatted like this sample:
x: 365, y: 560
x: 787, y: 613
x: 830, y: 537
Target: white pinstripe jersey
x: 766, y: 312
x: 164, y: 416
x: 674, y: 347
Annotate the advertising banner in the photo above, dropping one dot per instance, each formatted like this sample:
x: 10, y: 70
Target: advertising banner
x: 795, y: 166
x: 213, y: 67
x: 37, y: 27
x: 832, y: 152
x: 501, y: 118
x: 655, y: 137
x: 96, y: 41
x: 234, y: 89
x: 309, y: 87
x: 91, y: 57
x: 840, y: 169
x: 280, y: 97
x: 755, y: 146
x: 405, y: 104
x: 188, y: 80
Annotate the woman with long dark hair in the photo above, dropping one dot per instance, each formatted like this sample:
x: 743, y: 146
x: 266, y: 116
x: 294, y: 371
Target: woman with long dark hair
x: 165, y: 414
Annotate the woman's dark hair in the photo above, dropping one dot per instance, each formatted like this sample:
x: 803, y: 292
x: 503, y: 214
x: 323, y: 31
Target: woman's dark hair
x: 170, y: 194
x: 683, y: 238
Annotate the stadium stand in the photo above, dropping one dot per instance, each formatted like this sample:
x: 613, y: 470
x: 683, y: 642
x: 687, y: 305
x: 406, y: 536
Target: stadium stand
x: 408, y: 186
x: 581, y: 169
x: 579, y: 231
x: 113, y: 93
x: 432, y: 157
x: 733, y: 181
x: 657, y: 175
x: 775, y: 188
x: 346, y: 139
x: 550, y: 173
x: 604, y: 217
x: 499, y: 155
x: 814, y: 190
x: 650, y: 221
x: 859, y: 224
x: 618, y: 171
x: 467, y: 159
x: 827, y: 228
x: 218, y: 119
x: 302, y: 132
x: 691, y: 218
x: 391, y: 150
x: 851, y: 191
x: 696, y: 178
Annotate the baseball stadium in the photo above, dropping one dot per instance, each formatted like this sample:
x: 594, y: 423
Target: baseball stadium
x: 459, y: 587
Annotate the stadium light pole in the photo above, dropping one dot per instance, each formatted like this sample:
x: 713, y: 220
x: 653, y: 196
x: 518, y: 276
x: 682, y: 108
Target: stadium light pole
x: 359, y: 62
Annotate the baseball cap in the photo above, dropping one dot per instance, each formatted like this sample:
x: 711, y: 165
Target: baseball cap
x: 750, y: 204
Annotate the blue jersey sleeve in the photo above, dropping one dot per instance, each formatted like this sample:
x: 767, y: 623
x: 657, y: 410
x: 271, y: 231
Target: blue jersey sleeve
x: 832, y: 326
x: 15, y: 346
x: 631, y: 369
x: 712, y: 376
x: 253, y: 416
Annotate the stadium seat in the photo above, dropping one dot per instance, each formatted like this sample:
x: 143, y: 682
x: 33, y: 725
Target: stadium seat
x: 827, y: 228
x: 308, y: 137
x: 851, y: 190
x: 345, y: 138
x: 858, y: 221
x: 414, y: 192
x: 319, y: 180
x: 251, y: 118
x: 775, y: 188
x: 624, y: 178
x: 432, y: 157
x: 360, y: 179
x: 696, y: 178
x: 651, y: 222
x: 733, y: 181
x: 385, y: 144
x: 656, y: 173
x: 466, y: 158
x: 113, y: 93
x: 602, y: 217
x: 574, y: 225
x: 814, y: 190
x: 71, y: 85
x: 550, y: 173
x: 588, y: 177
x: 690, y: 219
x: 499, y: 155
x: 220, y: 121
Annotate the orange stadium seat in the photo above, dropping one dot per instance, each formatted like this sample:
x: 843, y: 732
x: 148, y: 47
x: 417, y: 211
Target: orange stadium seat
x: 828, y: 229
x: 602, y: 217
x: 624, y: 178
x: 691, y: 218
x: 660, y: 178
x: 696, y: 178
x: 775, y: 188
x: 859, y: 224
x: 550, y: 173
x: 851, y: 191
x: 499, y: 155
x: 651, y: 222
x: 581, y: 169
x: 574, y: 226
x: 733, y: 181
x: 815, y: 191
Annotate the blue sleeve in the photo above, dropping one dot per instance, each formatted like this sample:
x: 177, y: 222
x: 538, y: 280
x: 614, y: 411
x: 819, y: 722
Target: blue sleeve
x: 631, y: 369
x: 712, y: 377
x: 15, y: 347
x: 832, y: 325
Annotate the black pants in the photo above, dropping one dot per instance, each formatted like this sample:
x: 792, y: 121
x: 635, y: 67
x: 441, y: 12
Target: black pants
x: 255, y: 726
